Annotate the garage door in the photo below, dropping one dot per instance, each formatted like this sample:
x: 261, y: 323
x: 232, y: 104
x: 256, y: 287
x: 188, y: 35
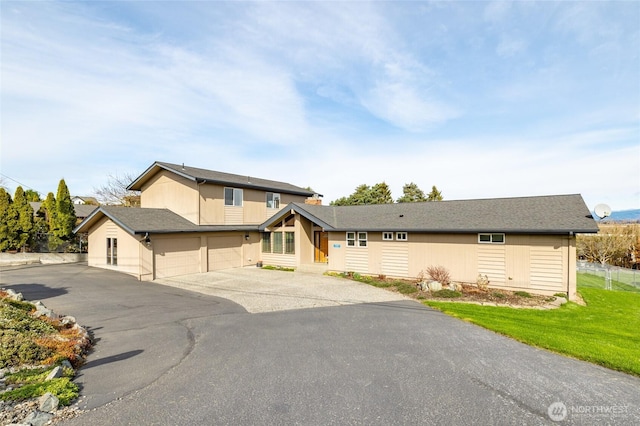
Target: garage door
x: 178, y: 256
x: 225, y: 252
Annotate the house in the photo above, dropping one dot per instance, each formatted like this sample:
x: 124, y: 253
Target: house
x: 84, y: 200
x: 195, y: 220
x: 81, y: 210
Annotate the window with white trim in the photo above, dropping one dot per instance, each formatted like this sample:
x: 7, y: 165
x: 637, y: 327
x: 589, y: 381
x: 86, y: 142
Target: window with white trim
x: 233, y: 197
x: 112, y: 251
x: 402, y: 236
x: 351, y: 239
x: 362, y: 239
x: 273, y: 200
x: 491, y: 238
x: 387, y: 236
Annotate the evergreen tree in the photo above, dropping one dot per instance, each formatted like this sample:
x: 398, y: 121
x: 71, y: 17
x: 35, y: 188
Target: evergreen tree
x: 32, y: 195
x: 434, y: 195
x: 65, y: 216
x: 7, y: 237
x: 412, y: 194
x: 381, y: 194
x: 48, y: 211
x: 24, y: 218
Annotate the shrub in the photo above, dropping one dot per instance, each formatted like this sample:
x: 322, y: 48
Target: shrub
x: 405, y: 287
x: 17, y: 349
x: 446, y: 293
x: 483, y: 282
x: 63, y: 388
x: 440, y: 274
x: 498, y: 295
x: 522, y: 294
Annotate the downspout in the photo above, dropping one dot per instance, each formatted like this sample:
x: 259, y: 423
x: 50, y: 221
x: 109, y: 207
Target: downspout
x: 569, y: 266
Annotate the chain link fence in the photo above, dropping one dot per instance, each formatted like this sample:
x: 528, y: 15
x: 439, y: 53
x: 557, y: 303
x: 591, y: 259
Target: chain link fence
x: 626, y: 276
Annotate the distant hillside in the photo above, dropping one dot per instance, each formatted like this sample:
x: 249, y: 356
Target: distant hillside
x: 624, y: 216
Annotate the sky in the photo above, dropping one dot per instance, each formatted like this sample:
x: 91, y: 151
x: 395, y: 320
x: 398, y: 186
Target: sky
x: 481, y: 99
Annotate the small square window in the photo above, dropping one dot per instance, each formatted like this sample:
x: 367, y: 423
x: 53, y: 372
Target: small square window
x: 387, y: 236
x: 362, y: 239
x: 273, y: 200
x: 402, y: 236
x: 351, y: 239
x: 491, y: 238
x: 233, y: 197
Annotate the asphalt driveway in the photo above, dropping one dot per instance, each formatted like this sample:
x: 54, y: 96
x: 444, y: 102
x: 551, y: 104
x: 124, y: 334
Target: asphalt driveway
x: 165, y: 355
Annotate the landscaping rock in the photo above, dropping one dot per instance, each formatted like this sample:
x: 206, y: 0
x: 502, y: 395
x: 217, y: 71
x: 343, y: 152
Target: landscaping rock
x: 435, y: 286
x: 66, y: 364
x: 42, y: 310
x: 13, y: 295
x: 68, y: 319
x: 48, y: 403
x: 55, y: 373
x: 38, y: 418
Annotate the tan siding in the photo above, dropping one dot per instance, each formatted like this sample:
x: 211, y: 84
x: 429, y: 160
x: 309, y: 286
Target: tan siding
x: 168, y: 191
x: 128, y: 248
x: 547, y: 268
x: 233, y: 215
x: 457, y: 253
x: 491, y: 262
x: 286, y: 260
x: 357, y: 259
x: 517, y: 261
x: 176, y: 256
x: 337, y: 249
x: 395, y: 258
x: 211, y: 204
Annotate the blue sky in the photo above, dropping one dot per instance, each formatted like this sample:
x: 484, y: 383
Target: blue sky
x: 481, y: 99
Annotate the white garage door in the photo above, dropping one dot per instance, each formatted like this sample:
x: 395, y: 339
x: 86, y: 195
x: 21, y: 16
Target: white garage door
x: 178, y: 256
x: 225, y: 252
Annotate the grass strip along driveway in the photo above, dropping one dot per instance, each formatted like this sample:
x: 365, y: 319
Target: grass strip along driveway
x: 604, y: 332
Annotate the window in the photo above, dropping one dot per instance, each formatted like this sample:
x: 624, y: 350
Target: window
x: 290, y: 220
x: 273, y: 200
x: 266, y: 242
x: 401, y: 236
x: 233, y: 197
x: 491, y: 238
x: 362, y: 239
x: 112, y: 251
x: 289, y: 243
x: 277, y: 242
x: 387, y: 236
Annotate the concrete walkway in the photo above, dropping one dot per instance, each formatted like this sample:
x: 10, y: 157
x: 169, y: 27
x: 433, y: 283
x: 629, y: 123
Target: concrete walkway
x: 262, y: 290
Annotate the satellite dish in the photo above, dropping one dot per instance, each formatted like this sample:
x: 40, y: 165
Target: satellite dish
x: 602, y: 211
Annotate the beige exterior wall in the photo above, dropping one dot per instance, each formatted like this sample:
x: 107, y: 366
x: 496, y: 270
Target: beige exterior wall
x: 167, y: 190
x: 128, y: 252
x: 540, y: 264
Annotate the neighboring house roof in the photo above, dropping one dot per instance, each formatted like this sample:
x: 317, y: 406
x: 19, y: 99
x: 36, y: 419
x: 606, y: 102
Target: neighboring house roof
x: 556, y: 214
x: 152, y: 221
x: 91, y: 200
x: 210, y: 176
x: 82, y: 210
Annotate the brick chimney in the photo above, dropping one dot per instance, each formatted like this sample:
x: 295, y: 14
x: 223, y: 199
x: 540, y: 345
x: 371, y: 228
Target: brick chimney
x: 314, y: 200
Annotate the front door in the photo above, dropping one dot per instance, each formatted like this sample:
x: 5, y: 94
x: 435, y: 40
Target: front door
x: 321, y: 247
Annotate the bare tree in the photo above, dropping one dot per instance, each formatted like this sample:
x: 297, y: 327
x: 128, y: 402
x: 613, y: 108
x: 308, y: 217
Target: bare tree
x: 115, y: 191
x: 612, y: 245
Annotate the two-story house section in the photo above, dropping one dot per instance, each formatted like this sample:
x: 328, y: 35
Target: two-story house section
x: 191, y: 220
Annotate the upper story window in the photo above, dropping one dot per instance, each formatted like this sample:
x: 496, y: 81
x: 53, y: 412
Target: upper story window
x: 273, y: 200
x: 402, y: 236
x: 387, y: 236
x: 233, y: 197
x: 491, y: 238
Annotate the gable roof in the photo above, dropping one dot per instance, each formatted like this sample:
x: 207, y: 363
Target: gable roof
x: 81, y: 210
x: 153, y: 221
x: 211, y: 176
x: 556, y: 214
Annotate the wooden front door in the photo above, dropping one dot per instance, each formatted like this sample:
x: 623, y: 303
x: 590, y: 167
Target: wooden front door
x: 321, y: 247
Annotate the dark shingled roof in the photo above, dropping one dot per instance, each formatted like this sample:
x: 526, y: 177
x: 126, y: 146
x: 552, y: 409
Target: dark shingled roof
x: 557, y: 214
x: 153, y: 221
x: 210, y: 176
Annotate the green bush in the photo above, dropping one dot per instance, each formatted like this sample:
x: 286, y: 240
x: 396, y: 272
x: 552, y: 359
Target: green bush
x: 447, y: 294
x: 498, y: 295
x: 17, y: 348
x: 63, y: 388
x: 522, y: 294
x: 405, y: 288
x: 19, y: 319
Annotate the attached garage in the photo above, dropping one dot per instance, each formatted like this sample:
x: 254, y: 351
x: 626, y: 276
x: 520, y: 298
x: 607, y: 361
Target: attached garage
x: 224, y: 252
x: 176, y: 256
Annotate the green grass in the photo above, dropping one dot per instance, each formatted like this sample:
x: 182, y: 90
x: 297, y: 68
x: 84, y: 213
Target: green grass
x: 604, y: 332
x: 63, y: 388
x: 594, y: 281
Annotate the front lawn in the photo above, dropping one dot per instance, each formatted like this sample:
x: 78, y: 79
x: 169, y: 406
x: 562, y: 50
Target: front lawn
x: 605, y: 331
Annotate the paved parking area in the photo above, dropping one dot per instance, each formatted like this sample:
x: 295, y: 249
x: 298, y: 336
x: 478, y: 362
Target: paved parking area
x: 262, y: 290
